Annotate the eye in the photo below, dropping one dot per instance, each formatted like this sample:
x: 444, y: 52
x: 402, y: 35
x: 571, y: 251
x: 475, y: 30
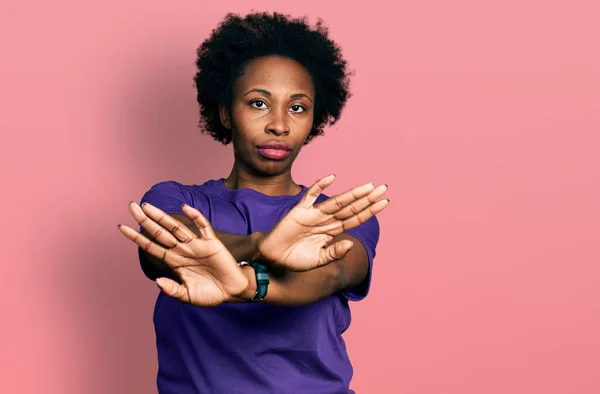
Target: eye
x: 258, y: 104
x: 297, y: 109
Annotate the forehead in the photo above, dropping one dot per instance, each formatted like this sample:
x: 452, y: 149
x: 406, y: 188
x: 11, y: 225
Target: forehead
x: 277, y: 75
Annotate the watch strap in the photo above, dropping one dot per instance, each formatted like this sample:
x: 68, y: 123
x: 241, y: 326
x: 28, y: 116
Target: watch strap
x: 262, y: 281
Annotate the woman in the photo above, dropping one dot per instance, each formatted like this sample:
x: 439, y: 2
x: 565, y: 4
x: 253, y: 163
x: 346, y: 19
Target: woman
x: 256, y: 271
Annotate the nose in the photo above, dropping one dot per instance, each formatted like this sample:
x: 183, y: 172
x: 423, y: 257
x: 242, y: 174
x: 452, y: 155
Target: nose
x: 277, y: 124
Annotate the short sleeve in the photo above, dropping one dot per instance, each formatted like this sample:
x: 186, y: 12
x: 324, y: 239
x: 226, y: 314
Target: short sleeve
x: 368, y: 234
x: 168, y: 196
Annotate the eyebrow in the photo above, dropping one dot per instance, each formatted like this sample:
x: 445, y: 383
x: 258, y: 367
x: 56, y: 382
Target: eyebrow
x: 267, y: 93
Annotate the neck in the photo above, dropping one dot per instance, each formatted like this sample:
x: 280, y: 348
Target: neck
x: 276, y: 185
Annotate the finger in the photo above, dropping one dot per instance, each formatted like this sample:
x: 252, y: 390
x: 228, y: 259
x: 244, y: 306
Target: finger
x: 173, y: 225
x: 315, y: 191
x: 339, y: 226
x: 338, y: 202
x: 150, y: 247
x: 158, y: 232
x: 200, y: 221
x: 361, y: 203
x: 335, y: 251
x: 364, y: 215
x: 173, y: 289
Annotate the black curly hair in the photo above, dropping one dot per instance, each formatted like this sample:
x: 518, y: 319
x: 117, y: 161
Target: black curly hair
x: 223, y: 57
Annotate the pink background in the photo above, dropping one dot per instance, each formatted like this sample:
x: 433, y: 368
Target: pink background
x: 483, y: 117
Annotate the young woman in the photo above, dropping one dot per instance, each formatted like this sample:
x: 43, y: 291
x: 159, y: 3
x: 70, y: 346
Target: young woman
x: 256, y: 271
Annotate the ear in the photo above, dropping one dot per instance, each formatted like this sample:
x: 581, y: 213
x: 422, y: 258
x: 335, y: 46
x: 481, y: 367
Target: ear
x: 225, y: 117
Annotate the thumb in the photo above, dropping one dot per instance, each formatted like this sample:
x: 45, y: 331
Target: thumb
x: 173, y: 289
x: 335, y: 251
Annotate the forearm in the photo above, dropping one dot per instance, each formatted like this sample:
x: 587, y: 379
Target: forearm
x: 291, y: 288
x: 241, y: 247
x: 303, y: 288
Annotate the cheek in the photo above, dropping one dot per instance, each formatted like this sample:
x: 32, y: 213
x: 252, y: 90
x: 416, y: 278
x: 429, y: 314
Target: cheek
x: 242, y: 139
x: 246, y: 122
x: 310, y: 118
x: 308, y: 125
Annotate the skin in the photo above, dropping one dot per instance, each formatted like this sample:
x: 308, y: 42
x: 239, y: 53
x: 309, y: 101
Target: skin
x: 272, y: 100
x: 308, y: 252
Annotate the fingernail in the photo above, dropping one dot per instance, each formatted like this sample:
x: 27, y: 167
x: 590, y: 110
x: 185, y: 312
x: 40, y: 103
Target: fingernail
x: 184, y: 205
x: 144, y: 204
x: 131, y: 202
x: 118, y: 225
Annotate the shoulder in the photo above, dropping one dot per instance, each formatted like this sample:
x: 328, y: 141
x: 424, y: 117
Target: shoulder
x: 171, y: 194
x: 166, y: 187
x: 165, y: 190
x: 174, y: 187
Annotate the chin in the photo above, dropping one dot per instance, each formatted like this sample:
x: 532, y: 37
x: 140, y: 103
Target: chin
x: 272, y: 169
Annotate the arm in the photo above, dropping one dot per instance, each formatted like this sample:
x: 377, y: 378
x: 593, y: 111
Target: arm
x: 209, y: 288
x: 291, y: 288
x: 311, y: 252
x: 288, y: 288
x: 297, y: 243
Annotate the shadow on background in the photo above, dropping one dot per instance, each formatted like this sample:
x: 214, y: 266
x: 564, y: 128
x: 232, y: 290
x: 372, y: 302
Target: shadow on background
x: 110, y: 299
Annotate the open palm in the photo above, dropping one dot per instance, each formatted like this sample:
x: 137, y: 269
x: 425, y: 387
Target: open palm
x: 300, y: 241
x: 210, y: 275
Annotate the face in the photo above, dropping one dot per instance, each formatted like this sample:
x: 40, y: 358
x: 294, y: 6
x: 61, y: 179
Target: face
x: 271, y: 115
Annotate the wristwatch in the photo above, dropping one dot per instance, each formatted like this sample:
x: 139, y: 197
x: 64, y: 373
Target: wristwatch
x: 262, y: 279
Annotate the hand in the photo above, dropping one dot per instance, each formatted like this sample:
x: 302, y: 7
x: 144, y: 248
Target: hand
x: 300, y: 241
x: 209, y: 273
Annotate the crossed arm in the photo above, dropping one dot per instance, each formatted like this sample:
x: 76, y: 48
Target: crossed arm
x: 289, y: 288
x: 300, y: 288
x: 309, y: 254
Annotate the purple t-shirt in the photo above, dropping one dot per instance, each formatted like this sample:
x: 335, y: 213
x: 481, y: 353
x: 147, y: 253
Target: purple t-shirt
x: 251, y: 347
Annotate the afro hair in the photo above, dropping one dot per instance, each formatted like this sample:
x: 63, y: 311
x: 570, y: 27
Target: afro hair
x: 237, y: 40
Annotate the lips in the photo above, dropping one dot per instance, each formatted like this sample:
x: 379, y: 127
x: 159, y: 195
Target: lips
x: 275, y: 145
x: 274, y: 150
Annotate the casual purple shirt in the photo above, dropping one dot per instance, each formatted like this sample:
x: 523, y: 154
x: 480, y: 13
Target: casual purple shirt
x: 251, y: 347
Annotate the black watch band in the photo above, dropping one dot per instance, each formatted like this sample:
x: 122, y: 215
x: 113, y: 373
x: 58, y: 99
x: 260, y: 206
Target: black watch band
x: 262, y: 281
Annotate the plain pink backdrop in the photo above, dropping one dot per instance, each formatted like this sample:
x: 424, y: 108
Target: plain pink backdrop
x: 482, y: 116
